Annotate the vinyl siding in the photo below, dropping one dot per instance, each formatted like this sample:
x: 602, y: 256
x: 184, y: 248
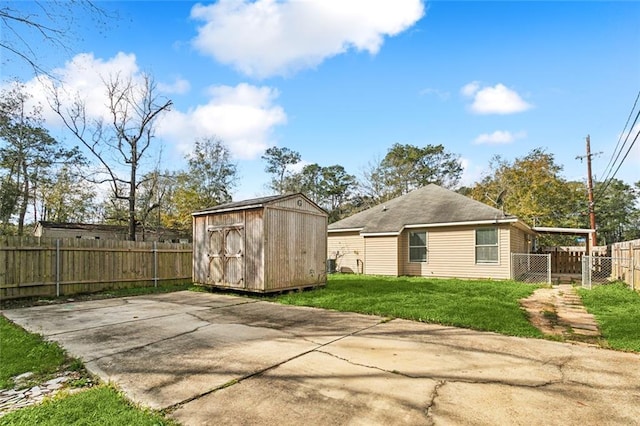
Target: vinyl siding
x: 381, y: 255
x: 451, y: 253
x: 519, y: 241
x: 347, y: 248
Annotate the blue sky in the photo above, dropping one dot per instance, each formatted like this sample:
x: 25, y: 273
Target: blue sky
x: 340, y: 82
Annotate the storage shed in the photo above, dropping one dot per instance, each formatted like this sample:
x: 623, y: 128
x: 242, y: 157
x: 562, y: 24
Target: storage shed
x: 261, y: 245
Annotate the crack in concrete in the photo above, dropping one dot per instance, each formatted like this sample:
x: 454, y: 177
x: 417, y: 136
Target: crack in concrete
x: 233, y: 382
x: 441, y: 381
x: 137, y: 348
x: 451, y: 379
x: 432, y: 399
x: 205, y: 308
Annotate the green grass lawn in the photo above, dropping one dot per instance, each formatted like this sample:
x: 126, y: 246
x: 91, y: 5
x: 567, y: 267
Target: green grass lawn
x: 102, y: 405
x: 617, y: 310
x: 479, y: 304
x: 22, y: 352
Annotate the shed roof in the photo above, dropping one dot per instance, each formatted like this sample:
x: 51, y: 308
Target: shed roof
x: 252, y: 203
x: 430, y: 205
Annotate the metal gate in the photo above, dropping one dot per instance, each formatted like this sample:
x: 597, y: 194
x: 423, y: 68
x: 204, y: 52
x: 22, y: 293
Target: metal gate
x: 603, y: 270
x: 226, y: 255
x: 531, y: 268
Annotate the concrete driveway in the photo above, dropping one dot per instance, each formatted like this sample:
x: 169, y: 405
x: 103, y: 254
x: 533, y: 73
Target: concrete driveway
x: 219, y: 359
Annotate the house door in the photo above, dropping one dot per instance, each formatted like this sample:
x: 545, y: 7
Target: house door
x: 226, y: 256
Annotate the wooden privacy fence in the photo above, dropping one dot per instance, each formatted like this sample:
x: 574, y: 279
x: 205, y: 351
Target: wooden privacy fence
x: 568, y: 260
x: 628, y: 271
x: 31, y: 266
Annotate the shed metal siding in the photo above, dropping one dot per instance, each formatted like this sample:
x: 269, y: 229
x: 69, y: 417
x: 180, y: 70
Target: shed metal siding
x: 381, y: 255
x: 347, y: 248
x: 451, y: 253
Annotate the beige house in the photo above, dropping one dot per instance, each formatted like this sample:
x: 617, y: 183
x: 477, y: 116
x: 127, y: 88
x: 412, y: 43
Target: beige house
x: 430, y: 232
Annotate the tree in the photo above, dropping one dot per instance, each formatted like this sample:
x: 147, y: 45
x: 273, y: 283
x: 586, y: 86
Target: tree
x: 67, y: 197
x: 121, y: 142
x: 54, y: 23
x: 155, y: 200
x: 209, y: 180
x: 306, y: 181
x: 212, y: 173
x: 279, y: 161
x: 336, y: 188
x: 617, y: 212
x: 28, y: 154
x: 532, y: 188
x: 408, y: 167
x: 329, y: 187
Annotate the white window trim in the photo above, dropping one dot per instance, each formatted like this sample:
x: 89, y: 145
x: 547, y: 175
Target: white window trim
x: 476, y: 245
x: 426, y: 247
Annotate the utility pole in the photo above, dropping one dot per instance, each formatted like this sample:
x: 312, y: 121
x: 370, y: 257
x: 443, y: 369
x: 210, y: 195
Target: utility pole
x: 592, y: 213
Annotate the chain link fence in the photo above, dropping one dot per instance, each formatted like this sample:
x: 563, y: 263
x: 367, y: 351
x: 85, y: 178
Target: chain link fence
x: 531, y: 268
x: 603, y: 270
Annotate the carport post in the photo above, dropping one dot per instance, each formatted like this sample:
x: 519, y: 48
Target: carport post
x: 58, y: 268
x: 155, y: 264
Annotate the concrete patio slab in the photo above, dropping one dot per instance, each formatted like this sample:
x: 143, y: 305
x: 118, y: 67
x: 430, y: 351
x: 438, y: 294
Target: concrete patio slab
x: 211, y: 358
x: 315, y: 389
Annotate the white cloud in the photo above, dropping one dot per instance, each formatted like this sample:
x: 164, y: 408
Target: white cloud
x: 441, y: 94
x: 499, y: 137
x: 470, y: 89
x: 471, y: 173
x: 179, y: 87
x: 243, y: 116
x: 268, y: 37
x: 82, y: 77
x: 498, y: 99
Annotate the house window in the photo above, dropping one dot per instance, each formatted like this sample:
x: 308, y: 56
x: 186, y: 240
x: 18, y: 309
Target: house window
x: 487, y: 245
x: 418, y: 246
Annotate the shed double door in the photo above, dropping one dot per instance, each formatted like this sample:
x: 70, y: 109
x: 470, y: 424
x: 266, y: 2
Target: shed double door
x: 226, y: 256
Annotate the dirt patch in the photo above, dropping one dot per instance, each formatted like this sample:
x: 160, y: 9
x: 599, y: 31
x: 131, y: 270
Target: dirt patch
x: 558, y: 311
x: 542, y: 313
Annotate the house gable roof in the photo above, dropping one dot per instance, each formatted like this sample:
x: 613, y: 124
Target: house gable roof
x: 428, y: 205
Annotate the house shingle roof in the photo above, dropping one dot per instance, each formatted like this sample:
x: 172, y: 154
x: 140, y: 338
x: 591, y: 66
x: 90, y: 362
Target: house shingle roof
x: 428, y: 205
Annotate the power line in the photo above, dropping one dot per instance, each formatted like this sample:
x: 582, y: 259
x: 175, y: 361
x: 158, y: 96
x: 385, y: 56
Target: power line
x: 606, y: 185
x: 610, y: 176
x: 620, y: 138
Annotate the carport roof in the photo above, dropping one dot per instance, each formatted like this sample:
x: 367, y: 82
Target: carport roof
x: 563, y: 231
